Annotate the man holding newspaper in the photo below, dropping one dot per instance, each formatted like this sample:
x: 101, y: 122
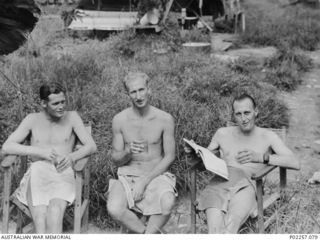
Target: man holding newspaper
x: 230, y: 196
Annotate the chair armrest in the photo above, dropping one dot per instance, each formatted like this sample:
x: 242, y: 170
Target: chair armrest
x: 80, y: 164
x: 8, y: 161
x: 261, y: 173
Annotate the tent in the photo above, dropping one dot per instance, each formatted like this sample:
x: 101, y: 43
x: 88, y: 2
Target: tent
x: 115, y: 15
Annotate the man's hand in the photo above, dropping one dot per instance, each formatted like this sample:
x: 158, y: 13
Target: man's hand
x: 137, y: 147
x: 246, y: 156
x: 189, y: 150
x: 139, y: 188
x: 49, y: 154
x: 64, y: 163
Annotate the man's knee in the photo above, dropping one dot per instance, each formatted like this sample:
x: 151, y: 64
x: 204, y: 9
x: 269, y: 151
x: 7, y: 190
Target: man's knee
x: 215, y: 220
x: 39, y: 218
x: 115, y: 210
x: 116, y: 204
x: 55, y: 213
x: 167, y: 203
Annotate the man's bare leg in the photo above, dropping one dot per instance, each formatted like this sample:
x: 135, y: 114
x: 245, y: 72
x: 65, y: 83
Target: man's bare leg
x: 118, y: 208
x: 156, y: 222
x: 215, y: 220
x: 55, y: 215
x: 38, y: 213
x: 239, y: 209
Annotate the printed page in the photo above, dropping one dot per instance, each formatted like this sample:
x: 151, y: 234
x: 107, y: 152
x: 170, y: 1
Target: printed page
x: 211, y: 161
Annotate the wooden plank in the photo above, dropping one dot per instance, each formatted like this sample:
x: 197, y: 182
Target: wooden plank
x: 193, y: 193
x: 77, y: 205
x: 6, y: 201
x: 267, y: 202
x: 21, y: 206
x: 84, y: 206
x: 86, y: 194
x: 260, y: 205
x: 166, y: 13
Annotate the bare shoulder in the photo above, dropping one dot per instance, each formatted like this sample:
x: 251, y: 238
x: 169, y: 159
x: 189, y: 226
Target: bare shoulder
x: 33, y: 116
x: 225, y: 131
x: 73, y: 116
x: 32, y: 119
x: 120, y: 117
x: 267, y: 133
x: 162, y: 115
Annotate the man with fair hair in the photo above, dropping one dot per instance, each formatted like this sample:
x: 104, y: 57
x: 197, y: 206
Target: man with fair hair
x: 246, y: 149
x: 49, y: 184
x: 143, y: 149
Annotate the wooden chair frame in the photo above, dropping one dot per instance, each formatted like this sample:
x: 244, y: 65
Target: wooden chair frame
x: 257, y: 177
x: 81, y: 203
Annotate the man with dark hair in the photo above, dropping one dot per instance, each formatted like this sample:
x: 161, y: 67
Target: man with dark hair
x: 246, y: 149
x: 49, y: 184
x: 143, y: 148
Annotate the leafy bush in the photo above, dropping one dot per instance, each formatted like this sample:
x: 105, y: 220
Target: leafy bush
x: 285, y: 69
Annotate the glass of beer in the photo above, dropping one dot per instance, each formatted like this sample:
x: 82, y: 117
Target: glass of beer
x: 143, y: 143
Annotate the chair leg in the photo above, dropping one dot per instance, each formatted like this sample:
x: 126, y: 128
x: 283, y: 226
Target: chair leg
x: 6, y: 199
x: 283, y: 180
x: 77, y: 206
x: 86, y: 193
x: 193, y: 192
x: 260, y: 205
x: 19, y: 222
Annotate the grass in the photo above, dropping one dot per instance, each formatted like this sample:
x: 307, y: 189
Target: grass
x: 196, y: 89
x: 290, y: 29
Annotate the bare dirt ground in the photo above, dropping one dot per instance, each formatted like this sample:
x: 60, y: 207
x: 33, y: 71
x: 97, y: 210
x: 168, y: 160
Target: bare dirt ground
x: 304, y: 130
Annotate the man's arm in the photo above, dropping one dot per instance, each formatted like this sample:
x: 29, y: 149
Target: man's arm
x: 283, y: 156
x: 168, y: 149
x: 13, y: 146
x: 88, y: 145
x: 120, y: 154
x: 214, y: 144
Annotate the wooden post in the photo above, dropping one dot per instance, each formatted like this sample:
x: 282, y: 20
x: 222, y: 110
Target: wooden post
x: 193, y: 192
x: 283, y: 180
x: 283, y: 171
x: 260, y: 205
x: 6, y: 201
x: 77, y: 205
x: 86, y: 193
x: 19, y: 222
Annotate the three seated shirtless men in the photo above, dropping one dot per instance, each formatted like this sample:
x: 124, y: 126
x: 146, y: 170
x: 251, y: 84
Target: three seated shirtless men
x: 143, y: 149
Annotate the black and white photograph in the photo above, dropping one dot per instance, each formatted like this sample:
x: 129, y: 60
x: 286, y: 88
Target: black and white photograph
x: 168, y: 117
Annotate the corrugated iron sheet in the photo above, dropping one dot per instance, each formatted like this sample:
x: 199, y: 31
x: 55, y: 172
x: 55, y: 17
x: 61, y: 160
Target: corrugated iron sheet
x: 102, y: 20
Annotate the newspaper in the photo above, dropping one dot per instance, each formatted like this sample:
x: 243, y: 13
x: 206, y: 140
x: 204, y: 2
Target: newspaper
x: 211, y: 162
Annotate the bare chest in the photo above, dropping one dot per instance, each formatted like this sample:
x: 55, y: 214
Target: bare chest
x: 148, y: 130
x: 52, y: 134
x: 231, y: 146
